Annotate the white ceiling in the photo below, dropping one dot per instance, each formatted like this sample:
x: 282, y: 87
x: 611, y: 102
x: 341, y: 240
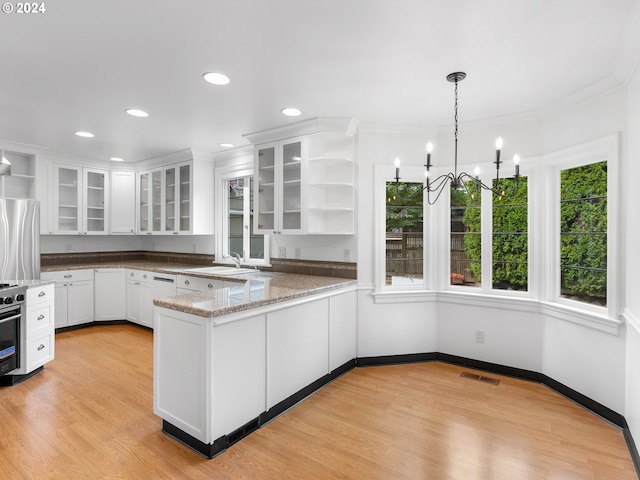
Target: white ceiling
x: 81, y: 63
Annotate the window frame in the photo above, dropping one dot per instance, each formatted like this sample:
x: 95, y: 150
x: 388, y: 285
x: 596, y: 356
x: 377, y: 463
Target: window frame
x: 222, y: 176
x: 411, y: 174
x: 603, y: 149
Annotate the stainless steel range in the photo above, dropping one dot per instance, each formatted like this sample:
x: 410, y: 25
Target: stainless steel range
x: 12, y: 299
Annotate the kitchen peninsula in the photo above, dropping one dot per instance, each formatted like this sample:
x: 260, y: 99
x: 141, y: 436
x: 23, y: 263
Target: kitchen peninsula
x: 227, y: 361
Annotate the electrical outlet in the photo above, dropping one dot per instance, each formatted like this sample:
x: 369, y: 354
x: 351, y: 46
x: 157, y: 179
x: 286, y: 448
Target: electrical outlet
x: 346, y: 254
x: 479, y: 336
x: 68, y: 247
x: 296, y: 253
x: 282, y: 252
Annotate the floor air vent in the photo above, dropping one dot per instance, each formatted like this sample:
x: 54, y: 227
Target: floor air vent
x: 481, y: 378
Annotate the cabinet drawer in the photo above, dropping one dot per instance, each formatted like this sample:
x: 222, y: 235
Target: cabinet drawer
x: 206, y: 284
x: 39, y: 320
x: 69, y: 275
x: 39, y: 351
x: 40, y: 294
x: 187, y: 283
x: 139, y: 275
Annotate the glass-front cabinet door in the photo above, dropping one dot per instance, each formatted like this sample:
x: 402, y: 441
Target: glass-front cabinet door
x: 278, y: 187
x: 185, y: 206
x: 68, y: 197
x: 177, y: 199
x: 143, y: 202
x: 95, y: 202
x: 150, y: 197
x: 266, y: 189
x: 290, y: 174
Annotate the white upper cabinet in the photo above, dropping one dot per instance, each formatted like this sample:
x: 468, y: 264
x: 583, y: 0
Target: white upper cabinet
x: 176, y: 199
x: 21, y: 182
x: 150, y: 194
x: 123, y: 198
x: 278, y: 191
x: 80, y: 200
x: 305, y: 184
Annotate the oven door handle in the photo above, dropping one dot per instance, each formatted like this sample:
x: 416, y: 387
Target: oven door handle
x: 11, y: 318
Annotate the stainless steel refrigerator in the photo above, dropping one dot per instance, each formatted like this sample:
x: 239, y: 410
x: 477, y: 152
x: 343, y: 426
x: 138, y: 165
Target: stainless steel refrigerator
x: 19, y: 239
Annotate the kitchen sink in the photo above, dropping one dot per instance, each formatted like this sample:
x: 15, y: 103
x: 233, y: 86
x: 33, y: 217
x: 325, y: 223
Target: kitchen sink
x: 221, y: 270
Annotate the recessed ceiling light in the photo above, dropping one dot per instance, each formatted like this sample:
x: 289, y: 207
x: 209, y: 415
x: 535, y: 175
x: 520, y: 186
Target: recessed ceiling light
x: 291, y: 112
x: 134, y: 112
x: 216, y: 78
x: 85, y: 134
x: 227, y: 145
x: 117, y: 159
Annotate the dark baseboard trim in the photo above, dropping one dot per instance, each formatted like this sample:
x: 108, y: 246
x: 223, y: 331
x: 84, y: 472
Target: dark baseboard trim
x: 222, y: 443
x: 99, y: 323
x: 10, y: 380
x: 396, y: 359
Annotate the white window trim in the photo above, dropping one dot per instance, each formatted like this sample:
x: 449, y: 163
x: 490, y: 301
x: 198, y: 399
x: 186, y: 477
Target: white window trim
x: 222, y: 175
x: 603, y: 149
x: 382, y: 175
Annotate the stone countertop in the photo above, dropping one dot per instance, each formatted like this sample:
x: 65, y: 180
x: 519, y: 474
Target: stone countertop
x: 30, y: 283
x: 256, y: 290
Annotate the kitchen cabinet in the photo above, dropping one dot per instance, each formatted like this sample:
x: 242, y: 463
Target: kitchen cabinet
x: 74, y: 296
x: 187, y: 284
x: 278, y: 191
x: 80, y: 200
x: 21, y: 182
x: 276, y: 352
x: 110, y: 288
x: 44, y: 193
x: 37, y: 345
x: 142, y: 288
x: 176, y: 199
x: 306, y: 184
x: 122, y: 220
x: 150, y: 194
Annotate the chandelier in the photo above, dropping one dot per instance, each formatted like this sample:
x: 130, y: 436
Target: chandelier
x: 462, y: 180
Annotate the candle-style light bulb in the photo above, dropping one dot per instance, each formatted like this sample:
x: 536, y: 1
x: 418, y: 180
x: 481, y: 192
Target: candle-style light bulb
x: 499, y: 143
x: 476, y: 171
x: 498, y: 148
x: 396, y: 162
x: 429, y: 150
x: 516, y: 161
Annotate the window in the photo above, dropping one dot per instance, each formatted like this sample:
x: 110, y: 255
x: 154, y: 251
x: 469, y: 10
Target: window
x: 583, y: 233
x: 239, y: 237
x: 510, y: 249
x: 404, y: 238
x: 466, y: 236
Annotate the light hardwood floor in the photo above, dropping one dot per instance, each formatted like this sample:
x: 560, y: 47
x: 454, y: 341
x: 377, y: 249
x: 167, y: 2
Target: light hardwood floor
x: 90, y: 415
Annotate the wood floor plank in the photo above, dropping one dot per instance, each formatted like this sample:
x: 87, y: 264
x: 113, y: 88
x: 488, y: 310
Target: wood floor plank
x: 89, y: 415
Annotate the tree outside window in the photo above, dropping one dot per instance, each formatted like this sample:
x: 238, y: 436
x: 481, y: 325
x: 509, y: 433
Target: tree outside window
x: 583, y: 233
x: 404, y: 234
x: 510, y: 262
x: 466, y: 236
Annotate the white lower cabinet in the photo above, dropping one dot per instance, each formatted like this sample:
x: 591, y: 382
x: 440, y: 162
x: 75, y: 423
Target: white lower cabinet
x: 187, y: 284
x: 110, y: 292
x: 37, y: 342
x: 215, y: 375
x: 73, y: 296
x: 142, y: 288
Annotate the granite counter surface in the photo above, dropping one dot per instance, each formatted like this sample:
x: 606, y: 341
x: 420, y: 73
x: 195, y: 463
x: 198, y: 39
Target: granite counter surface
x: 256, y: 290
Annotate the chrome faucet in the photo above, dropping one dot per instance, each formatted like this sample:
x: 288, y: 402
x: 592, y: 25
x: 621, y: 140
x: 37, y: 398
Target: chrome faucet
x: 235, y: 256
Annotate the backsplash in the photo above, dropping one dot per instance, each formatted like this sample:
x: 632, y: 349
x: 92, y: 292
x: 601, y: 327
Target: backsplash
x: 304, y: 267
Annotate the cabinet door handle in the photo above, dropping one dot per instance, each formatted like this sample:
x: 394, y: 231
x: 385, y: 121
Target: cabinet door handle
x: 40, y: 317
x: 40, y: 347
x: 131, y: 274
x: 176, y: 233
x: 144, y: 276
x: 41, y: 294
x: 210, y: 286
x: 186, y: 282
x: 68, y: 275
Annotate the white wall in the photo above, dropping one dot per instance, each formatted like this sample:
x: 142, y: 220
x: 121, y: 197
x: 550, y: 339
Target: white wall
x: 179, y: 243
x: 630, y: 174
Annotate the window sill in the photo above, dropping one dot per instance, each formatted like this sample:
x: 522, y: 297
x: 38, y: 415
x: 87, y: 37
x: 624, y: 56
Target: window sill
x: 403, y: 296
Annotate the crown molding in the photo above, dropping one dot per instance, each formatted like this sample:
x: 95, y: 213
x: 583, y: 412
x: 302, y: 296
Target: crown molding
x: 305, y: 127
